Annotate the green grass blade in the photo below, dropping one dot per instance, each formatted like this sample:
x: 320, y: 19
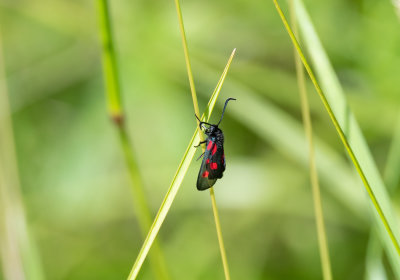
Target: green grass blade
x: 177, y: 180
x: 110, y: 68
x: 387, y: 232
x: 219, y: 235
x: 344, y: 121
x: 356, y: 142
x: 316, y: 192
x: 187, y: 58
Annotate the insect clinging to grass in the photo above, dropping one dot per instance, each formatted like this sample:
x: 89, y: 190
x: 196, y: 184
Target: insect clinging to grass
x: 213, y: 164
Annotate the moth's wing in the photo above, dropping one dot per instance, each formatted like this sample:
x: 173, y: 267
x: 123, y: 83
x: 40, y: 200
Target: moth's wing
x: 203, y: 180
x: 216, y: 166
x: 204, y: 184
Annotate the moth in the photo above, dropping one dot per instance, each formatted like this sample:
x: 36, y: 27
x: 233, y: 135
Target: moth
x: 213, y: 164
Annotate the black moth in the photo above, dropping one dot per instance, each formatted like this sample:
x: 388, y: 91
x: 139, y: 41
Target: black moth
x: 213, y: 164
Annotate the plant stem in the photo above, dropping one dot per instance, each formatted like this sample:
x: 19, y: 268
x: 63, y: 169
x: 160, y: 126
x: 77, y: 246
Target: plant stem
x: 219, y: 233
x: 187, y: 60
x: 116, y: 113
x: 109, y: 62
x: 305, y: 110
x: 177, y: 180
x: 196, y: 110
x: 339, y: 130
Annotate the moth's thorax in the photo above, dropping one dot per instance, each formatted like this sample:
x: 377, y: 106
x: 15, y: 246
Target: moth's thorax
x: 215, y: 134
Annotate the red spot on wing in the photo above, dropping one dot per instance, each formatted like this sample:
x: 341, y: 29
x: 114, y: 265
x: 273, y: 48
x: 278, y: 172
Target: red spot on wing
x: 210, y: 145
x: 207, y: 161
x: 214, y: 150
x: 205, y: 174
x: 213, y: 165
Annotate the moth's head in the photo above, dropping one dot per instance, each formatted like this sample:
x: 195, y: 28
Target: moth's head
x: 208, y: 130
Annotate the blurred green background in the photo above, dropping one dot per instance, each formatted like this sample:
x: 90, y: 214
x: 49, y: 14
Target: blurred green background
x: 74, y: 183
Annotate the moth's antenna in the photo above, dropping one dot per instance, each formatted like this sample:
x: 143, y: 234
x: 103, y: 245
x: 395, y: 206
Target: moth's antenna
x: 197, y: 118
x: 200, y: 122
x: 223, y: 111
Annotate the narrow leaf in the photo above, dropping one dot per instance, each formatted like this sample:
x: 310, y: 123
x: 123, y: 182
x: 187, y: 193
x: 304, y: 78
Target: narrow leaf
x: 351, y: 135
x: 178, y: 178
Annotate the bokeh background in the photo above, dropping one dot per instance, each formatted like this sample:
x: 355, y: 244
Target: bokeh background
x: 74, y: 183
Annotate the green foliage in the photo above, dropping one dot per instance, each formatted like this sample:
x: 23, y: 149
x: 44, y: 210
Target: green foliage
x: 73, y: 177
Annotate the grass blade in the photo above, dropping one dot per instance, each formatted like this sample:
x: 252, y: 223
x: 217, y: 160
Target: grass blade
x: 387, y: 228
x: 187, y: 60
x: 111, y: 75
x: 344, y: 121
x: 306, y: 115
x: 219, y: 235
x: 177, y: 180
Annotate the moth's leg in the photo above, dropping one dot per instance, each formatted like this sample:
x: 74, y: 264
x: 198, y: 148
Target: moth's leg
x: 202, y: 142
x: 200, y: 156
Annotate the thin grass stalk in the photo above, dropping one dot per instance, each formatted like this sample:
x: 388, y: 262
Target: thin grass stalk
x: 177, y: 180
x: 116, y: 113
x: 335, y: 94
x: 187, y: 59
x: 340, y: 132
x: 305, y: 111
x: 219, y: 234
x: 19, y: 255
x: 196, y: 110
x: 109, y: 62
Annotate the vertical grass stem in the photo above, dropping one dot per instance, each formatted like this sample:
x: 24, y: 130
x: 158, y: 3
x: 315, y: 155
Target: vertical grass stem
x: 305, y: 110
x: 340, y: 132
x: 115, y: 108
x: 196, y: 110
